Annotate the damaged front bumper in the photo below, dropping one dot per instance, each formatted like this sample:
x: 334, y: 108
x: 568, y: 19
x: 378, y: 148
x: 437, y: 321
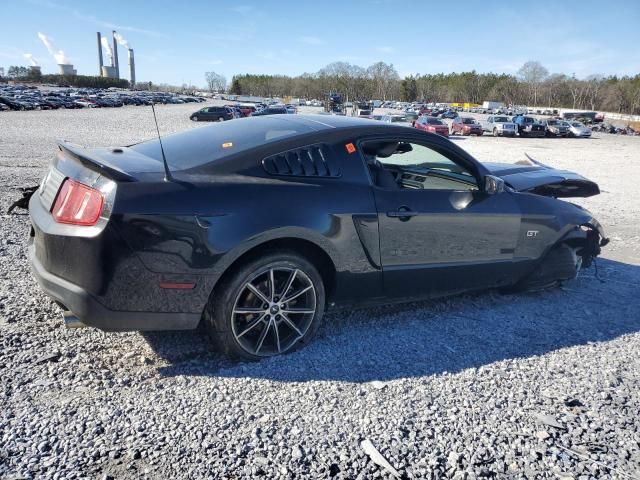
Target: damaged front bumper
x: 595, y: 239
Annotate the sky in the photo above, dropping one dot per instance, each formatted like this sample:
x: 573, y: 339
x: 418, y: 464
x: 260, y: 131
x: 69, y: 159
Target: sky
x: 176, y: 42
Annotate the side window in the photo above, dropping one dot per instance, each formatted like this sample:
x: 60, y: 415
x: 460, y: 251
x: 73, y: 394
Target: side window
x: 408, y: 165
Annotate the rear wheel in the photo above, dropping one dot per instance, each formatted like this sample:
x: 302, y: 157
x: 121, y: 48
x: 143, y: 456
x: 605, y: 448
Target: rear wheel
x: 221, y: 119
x: 269, y: 306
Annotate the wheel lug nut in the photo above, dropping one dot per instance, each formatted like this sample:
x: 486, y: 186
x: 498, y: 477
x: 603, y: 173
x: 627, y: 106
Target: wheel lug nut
x: 277, y: 317
x: 276, y: 299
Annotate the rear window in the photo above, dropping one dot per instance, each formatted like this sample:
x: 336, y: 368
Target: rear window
x: 434, y: 121
x: 203, y: 145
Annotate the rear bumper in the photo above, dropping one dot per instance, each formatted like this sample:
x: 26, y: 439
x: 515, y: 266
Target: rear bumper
x: 92, y: 313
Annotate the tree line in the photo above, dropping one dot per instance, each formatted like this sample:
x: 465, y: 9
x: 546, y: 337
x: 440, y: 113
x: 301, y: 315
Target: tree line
x: 532, y: 85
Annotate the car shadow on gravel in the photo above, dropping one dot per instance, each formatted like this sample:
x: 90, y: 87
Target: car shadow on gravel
x: 430, y: 338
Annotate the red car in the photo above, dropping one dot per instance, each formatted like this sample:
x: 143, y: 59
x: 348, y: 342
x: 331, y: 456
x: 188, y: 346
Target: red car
x: 432, y: 124
x: 466, y: 126
x: 246, y: 110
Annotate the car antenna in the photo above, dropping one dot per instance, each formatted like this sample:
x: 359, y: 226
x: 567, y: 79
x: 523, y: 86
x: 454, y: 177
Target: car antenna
x: 167, y: 174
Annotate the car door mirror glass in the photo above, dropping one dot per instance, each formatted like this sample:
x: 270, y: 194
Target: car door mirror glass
x: 493, y: 185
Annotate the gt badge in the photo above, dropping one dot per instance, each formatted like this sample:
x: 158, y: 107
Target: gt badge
x: 532, y: 233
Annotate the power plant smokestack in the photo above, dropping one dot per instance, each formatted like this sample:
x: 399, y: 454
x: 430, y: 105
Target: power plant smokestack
x: 67, y: 69
x: 100, y: 64
x: 115, y: 54
x: 132, y: 70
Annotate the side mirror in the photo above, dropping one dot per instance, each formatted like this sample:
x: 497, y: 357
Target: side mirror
x: 493, y: 185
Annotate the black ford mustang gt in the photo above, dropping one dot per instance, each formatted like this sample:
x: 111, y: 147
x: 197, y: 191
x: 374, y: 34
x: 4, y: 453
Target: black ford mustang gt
x: 265, y: 222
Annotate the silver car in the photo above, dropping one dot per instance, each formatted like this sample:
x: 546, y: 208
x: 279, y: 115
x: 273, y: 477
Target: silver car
x: 398, y: 120
x: 499, y: 126
x: 577, y: 129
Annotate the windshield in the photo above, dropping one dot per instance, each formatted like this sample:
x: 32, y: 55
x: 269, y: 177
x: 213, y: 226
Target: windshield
x: 434, y: 121
x: 577, y: 125
x: 398, y: 119
x: 468, y: 121
x: 500, y: 119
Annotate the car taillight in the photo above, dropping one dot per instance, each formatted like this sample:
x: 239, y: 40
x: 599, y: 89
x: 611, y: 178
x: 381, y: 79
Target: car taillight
x: 77, y: 204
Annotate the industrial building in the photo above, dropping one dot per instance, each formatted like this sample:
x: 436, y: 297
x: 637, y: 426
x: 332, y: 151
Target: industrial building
x: 113, y: 70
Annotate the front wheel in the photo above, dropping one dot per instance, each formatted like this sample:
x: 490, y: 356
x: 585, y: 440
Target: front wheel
x: 269, y: 306
x: 221, y: 119
x: 561, y: 263
x: 495, y: 132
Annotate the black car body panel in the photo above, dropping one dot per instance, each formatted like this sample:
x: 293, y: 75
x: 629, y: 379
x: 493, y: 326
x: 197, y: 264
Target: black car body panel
x: 543, y: 180
x: 285, y: 181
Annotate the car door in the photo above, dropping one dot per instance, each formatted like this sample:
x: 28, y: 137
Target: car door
x: 440, y: 232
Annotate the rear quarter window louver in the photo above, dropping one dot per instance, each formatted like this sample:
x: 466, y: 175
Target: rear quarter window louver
x: 310, y: 161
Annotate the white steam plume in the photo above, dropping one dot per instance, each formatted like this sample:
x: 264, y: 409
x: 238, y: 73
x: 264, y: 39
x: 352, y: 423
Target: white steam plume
x: 121, y: 40
x: 107, y: 47
x: 58, y: 55
x: 29, y: 56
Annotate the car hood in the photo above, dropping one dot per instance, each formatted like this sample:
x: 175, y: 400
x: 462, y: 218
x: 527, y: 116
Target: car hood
x: 535, y: 177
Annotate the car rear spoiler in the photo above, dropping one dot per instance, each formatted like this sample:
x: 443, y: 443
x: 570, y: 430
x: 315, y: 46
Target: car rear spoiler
x: 96, y: 160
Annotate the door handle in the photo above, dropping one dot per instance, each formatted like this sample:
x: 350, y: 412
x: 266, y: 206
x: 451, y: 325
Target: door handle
x: 403, y: 213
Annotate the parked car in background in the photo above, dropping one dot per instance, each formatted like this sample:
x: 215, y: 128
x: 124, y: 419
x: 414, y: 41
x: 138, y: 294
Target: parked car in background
x: 396, y: 119
x: 449, y: 114
x: 246, y: 110
x: 213, y: 114
x: 271, y: 110
x: 291, y: 108
x: 529, y: 126
x: 14, y: 104
x: 432, y: 125
x: 577, y: 129
x: 555, y: 128
x: 499, y: 126
x: 466, y: 126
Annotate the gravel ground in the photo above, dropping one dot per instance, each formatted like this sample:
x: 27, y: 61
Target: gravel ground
x: 540, y: 385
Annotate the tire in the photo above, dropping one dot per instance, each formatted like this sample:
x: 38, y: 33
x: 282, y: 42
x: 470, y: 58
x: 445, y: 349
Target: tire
x: 560, y: 264
x: 495, y: 132
x: 221, y: 119
x: 244, y: 313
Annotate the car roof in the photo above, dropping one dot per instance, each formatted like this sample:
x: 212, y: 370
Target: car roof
x: 200, y: 145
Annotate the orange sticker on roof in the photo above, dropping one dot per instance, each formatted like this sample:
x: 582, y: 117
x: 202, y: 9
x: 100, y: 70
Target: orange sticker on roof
x: 227, y: 145
x: 350, y: 148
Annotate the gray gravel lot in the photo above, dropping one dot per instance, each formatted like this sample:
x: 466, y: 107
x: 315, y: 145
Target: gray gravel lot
x: 541, y: 385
